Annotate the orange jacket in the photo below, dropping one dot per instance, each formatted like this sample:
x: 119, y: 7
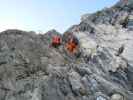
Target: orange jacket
x: 71, y: 47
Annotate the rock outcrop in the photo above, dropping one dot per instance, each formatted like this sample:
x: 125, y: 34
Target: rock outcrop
x: 31, y: 69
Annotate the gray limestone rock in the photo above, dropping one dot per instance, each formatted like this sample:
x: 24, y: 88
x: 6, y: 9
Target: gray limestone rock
x: 31, y: 69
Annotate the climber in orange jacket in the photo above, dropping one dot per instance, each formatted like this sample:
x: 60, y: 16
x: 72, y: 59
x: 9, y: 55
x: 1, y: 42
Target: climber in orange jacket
x: 72, y: 45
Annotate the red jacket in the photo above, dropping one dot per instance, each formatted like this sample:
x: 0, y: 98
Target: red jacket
x: 56, y: 40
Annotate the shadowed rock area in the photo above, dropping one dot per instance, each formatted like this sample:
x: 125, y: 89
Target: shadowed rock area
x: 31, y: 69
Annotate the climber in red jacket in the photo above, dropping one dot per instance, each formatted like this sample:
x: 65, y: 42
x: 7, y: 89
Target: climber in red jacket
x: 56, y: 41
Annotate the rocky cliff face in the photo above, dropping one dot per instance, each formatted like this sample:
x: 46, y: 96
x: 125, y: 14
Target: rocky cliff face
x: 30, y: 69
